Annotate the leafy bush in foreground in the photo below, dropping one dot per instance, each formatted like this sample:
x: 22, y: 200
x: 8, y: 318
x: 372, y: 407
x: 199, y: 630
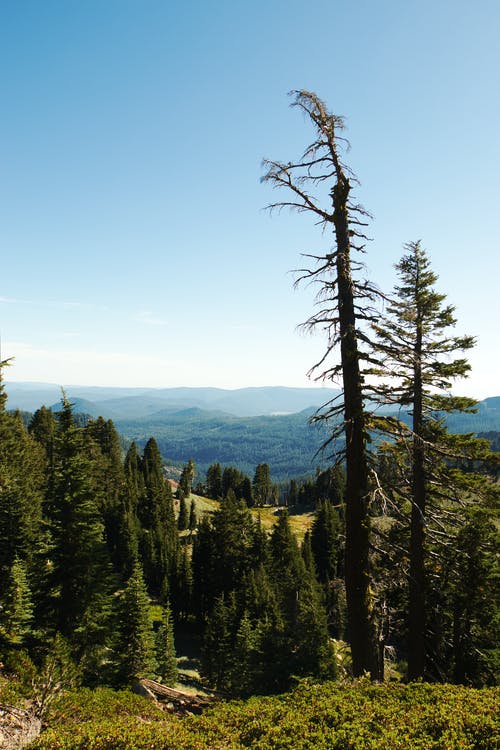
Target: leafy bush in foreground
x: 328, y: 716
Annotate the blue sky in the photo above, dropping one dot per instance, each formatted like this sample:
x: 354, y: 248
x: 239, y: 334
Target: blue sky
x: 135, y: 247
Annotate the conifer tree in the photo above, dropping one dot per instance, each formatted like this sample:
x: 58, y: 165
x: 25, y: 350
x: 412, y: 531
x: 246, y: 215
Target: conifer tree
x: 192, y: 516
x: 80, y: 577
x: 247, y: 658
x: 165, y: 648
x: 21, y: 487
x: 218, y: 642
x: 187, y: 478
x: 214, y: 481
x: 231, y: 480
x: 419, y: 365
x: 293, y: 493
x: 16, y: 605
x: 307, y: 553
x: 302, y: 647
x: 104, y: 444
x: 135, y: 644
x: 205, y: 587
x: 183, y: 517
x: 159, y: 540
x: 325, y: 541
x: 262, y: 484
x: 181, y: 587
x: 245, y: 492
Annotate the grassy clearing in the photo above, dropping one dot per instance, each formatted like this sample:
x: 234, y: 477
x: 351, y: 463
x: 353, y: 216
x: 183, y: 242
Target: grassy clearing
x: 300, y: 521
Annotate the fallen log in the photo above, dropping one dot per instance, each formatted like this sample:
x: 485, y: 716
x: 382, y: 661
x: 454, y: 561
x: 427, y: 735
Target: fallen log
x: 181, y: 702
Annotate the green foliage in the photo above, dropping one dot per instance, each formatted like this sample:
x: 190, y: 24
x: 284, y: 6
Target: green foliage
x: 312, y: 717
x: 183, y: 518
x: 80, y: 578
x: 435, y: 470
x: 165, y: 648
x: 16, y: 612
x: 325, y: 541
x: 262, y: 484
x: 135, y: 645
x: 21, y: 489
x: 192, y: 516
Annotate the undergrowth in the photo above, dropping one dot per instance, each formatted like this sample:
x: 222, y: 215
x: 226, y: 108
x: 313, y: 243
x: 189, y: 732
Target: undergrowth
x: 328, y: 716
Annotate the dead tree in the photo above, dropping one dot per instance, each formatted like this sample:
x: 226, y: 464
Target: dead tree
x: 344, y: 305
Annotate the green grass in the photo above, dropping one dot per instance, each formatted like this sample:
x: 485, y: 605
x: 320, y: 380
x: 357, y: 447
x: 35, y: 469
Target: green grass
x: 300, y: 518
x: 328, y: 716
x: 300, y: 521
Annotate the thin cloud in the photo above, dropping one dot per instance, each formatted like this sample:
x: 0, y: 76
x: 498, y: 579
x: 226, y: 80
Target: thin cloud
x: 149, y: 318
x: 65, y: 304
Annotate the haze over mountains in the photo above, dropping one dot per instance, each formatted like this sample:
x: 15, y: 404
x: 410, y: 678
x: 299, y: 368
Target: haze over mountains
x: 140, y: 403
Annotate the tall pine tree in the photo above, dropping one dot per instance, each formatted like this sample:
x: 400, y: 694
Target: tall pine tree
x: 419, y: 364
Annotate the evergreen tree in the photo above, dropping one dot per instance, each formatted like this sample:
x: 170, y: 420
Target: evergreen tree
x: 247, y: 659
x: 231, y: 480
x: 262, y: 484
x: 104, y: 444
x: 192, y: 516
x: 165, y: 648
x: 307, y: 553
x: 475, y: 601
x: 293, y: 493
x: 302, y: 647
x: 183, y: 518
x: 159, y: 540
x: 214, y: 481
x: 232, y: 530
x: 325, y: 541
x: 80, y: 577
x: 245, y: 492
x: 21, y: 487
x: 418, y: 358
x: 16, y: 606
x: 135, y: 644
x: 181, y: 588
x: 187, y: 478
x: 205, y: 588
x: 217, y: 656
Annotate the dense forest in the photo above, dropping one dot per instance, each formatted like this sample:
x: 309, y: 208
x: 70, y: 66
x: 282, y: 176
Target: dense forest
x: 397, y: 574
x: 89, y: 537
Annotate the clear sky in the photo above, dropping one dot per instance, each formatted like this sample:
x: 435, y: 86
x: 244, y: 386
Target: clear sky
x: 135, y: 247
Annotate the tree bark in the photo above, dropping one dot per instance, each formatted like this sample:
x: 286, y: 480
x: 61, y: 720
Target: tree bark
x: 416, y: 613
x: 357, y: 576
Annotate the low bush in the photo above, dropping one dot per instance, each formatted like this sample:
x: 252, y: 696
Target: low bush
x: 328, y: 716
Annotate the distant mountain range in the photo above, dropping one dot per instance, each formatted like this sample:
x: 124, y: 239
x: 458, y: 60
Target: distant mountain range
x: 140, y: 403
x: 241, y: 427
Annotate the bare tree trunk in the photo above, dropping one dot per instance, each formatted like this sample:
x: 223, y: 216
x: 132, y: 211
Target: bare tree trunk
x: 343, y: 302
x: 357, y: 576
x: 416, y: 613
